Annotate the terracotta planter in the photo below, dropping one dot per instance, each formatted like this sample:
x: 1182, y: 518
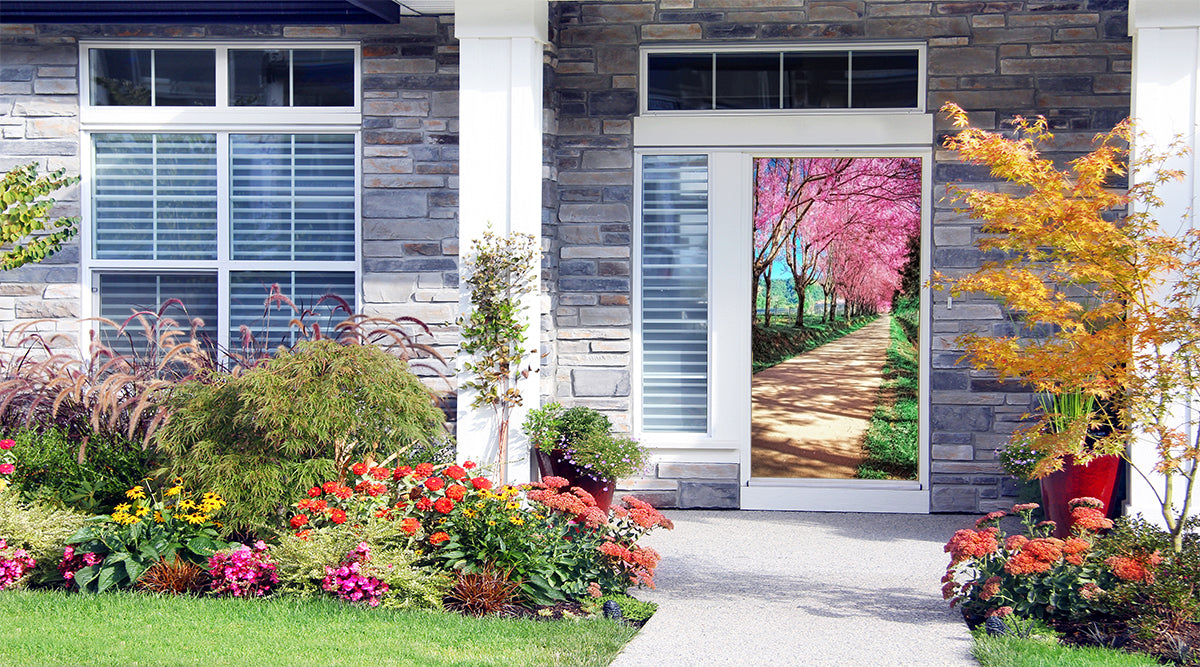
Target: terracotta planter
x: 553, y: 464
x: 1096, y: 480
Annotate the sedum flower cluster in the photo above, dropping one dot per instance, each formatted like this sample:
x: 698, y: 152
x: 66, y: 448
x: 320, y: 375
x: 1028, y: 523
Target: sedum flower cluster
x: 242, y: 572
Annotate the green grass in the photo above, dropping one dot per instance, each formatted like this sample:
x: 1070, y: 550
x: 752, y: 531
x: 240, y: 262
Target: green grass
x: 776, y: 344
x: 51, y: 628
x: 1015, y: 652
x: 892, y: 438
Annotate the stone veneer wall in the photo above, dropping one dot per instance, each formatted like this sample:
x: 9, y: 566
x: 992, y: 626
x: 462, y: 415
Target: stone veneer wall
x: 1068, y: 60
x: 409, y: 157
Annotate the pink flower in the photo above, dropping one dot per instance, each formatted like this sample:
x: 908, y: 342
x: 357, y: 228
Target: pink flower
x: 6, y: 468
x: 7, y: 443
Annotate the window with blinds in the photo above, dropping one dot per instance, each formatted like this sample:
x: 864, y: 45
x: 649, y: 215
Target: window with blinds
x: 674, y: 293
x: 292, y: 196
x: 155, y: 196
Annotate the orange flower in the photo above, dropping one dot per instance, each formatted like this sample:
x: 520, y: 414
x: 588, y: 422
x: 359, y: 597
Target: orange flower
x: 969, y: 543
x: 990, y: 588
x: 438, y: 537
x: 1089, y: 519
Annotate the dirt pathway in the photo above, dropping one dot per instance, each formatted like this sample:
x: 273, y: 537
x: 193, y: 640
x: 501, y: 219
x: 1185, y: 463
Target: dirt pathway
x: 811, y: 411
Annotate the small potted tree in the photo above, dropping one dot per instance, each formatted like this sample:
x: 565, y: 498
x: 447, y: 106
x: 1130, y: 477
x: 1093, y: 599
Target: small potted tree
x: 578, y: 444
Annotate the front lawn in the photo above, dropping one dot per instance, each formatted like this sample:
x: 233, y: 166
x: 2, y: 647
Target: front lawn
x: 1017, y: 652
x: 52, y: 628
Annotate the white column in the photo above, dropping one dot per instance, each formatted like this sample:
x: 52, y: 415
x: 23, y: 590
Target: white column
x: 1166, y: 99
x: 500, y: 178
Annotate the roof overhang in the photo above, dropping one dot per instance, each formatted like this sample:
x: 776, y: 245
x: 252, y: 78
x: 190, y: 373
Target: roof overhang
x: 218, y: 11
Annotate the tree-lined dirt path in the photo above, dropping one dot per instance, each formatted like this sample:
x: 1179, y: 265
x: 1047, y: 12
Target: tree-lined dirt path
x: 811, y: 411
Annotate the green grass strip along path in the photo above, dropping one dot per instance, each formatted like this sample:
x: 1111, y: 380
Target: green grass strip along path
x: 1016, y: 652
x: 50, y: 628
x: 776, y: 344
x: 891, y: 442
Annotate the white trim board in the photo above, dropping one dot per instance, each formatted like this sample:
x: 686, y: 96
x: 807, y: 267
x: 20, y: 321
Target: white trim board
x: 821, y: 496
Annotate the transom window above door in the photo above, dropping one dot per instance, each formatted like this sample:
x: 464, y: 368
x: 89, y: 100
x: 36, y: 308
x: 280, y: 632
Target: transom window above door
x: 848, y: 78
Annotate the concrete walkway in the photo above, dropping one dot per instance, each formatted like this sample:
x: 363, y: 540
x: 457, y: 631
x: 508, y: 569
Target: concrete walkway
x: 793, y: 588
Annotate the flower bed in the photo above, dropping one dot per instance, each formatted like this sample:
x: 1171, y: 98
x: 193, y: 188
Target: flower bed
x: 1118, y: 585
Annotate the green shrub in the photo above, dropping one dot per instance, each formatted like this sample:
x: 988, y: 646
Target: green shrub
x: 89, y: 474
x: 300, y: 418
x: 38, y: 528
x: 632, y: 609
x: 301, y: 563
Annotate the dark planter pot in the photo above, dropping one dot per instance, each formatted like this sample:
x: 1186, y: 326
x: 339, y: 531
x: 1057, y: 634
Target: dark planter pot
x: 1095, y: 480
x: 551, y: 463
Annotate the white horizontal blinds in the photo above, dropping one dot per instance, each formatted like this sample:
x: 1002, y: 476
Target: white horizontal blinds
x: 123, y: 294
x: 292, y: 196
x: 674, y: 293
x: 155, y: 196
x: 311, y: 291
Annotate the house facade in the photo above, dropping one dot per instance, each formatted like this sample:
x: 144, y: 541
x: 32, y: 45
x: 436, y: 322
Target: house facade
x: 359, y: 147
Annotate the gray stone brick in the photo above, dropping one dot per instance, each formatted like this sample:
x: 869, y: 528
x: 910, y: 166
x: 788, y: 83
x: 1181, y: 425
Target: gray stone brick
x: 709, y: 495
x: 599, y: 382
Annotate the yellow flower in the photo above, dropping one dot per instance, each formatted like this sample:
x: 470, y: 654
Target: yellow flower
x: 512, y: 506
x: 186, y: 505
x: 135, y: 493
x: 142, y: 510
x: 491, y: 522
x: 469, y: 513
x: 158, y: 517
x: 196, y: 519
x: 122, y: 508
x: 516, y: 520
x: 174, y: 490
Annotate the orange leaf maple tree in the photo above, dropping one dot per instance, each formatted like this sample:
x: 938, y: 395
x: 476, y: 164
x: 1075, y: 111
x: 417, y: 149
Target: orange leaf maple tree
x: 1106, y: 297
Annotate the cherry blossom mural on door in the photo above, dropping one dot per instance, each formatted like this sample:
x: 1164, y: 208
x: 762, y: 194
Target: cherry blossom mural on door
x: 836, y: 275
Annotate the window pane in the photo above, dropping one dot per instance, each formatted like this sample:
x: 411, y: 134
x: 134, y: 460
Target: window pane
x: 155, y: 196
x: 310, y: 291
x: 259, y: 78
x: 885, y: 79
x: 748, y: 81
x: 292, y: 196
x: 815, y: 80
x: 675, y: 82
x: 674, y: 293
x: 323, y: 77
x: 120, y: 77
x: 185, y: 78
x: 122, y: 294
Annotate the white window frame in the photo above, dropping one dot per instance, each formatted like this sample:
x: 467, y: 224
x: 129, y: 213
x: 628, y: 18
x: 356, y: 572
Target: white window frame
x: 222, y: 121
x: 771, y: 48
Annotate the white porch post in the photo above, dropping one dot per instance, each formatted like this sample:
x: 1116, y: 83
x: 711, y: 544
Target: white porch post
x: 500, y: 177
x: 1166, y: 104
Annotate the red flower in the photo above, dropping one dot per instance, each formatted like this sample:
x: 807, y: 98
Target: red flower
x: 314, y: 492
x: 424, y: 469
x: 481, y: 483
x: 438, y: 537
x: 402, y: 472
x: 362, y: 486
x: 410, y: 525
x: 304, y: 534
x: 456, y: 472
x: 435, y: 483
x: 424, y: 504
x: 376, y: 489
x: 343, y: 492
x: 329, y: 487
x: 444, y: 505
x: 338, y: 516
x: 298, y: 520
x: 380, y: 473
x: 456, y: 491
x: 469, y: 465
x: 359, y: 468
x: 383, y: 513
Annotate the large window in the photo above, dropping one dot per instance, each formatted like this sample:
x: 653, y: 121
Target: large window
x: 218, y: 211
x: 791, y: 79
x: 674, y: 293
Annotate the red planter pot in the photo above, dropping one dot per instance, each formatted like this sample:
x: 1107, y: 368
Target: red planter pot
x: 1096, y: 480
x: 554, y: 464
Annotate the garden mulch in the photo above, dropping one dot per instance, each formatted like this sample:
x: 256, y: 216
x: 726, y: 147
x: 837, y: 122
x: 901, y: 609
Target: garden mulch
x: 800, y: 588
